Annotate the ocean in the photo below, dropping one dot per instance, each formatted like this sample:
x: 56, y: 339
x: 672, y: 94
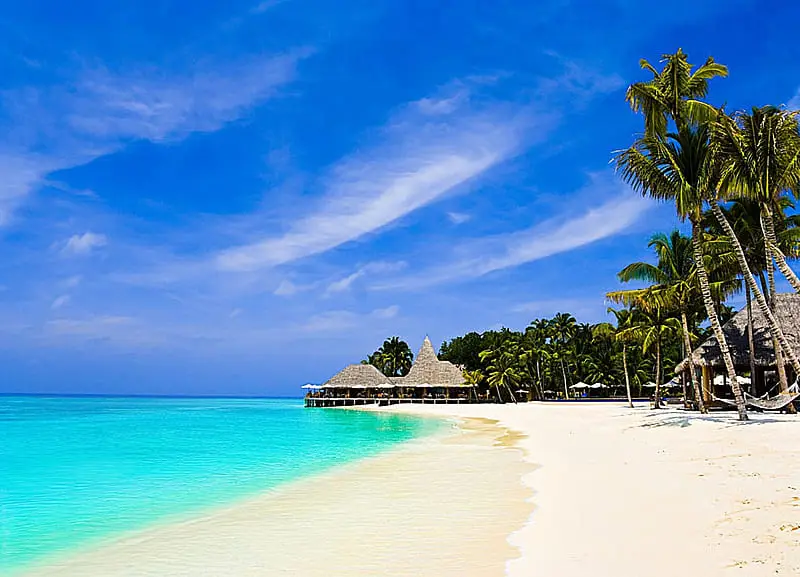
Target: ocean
x: 75, y: 471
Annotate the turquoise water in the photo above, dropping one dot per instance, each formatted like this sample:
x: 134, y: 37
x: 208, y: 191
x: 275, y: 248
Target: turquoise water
x: 77, y: 470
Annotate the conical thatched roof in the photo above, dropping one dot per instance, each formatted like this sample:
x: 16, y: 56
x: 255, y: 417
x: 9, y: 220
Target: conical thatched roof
x: 427, y: 368
x: 787, y: 312
x: 356, y: 375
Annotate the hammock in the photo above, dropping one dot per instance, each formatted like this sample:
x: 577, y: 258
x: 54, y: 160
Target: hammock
x: 775, y: 403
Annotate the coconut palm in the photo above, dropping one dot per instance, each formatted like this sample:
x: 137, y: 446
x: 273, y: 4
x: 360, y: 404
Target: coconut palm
x: 624, y: 318
x: 651, y: 327
x: 759, y: 153
x: 503, y: 371
x: 562, y: 327
x: 680, y: 169
x: 674, y: 93
x: 393, y: 358
x: 674, y: 284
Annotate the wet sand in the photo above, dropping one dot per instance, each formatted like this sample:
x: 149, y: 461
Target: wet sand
x: 443, y: 505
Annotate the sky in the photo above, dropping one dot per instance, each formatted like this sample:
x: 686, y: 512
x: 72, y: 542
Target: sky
x: 236, y: 198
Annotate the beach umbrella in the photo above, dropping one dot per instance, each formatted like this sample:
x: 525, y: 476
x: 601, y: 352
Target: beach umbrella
x: 649, y: 385
x: 310, y: 386
x: 580, y: 385
x: 549, y: 392
x: 598, y: 386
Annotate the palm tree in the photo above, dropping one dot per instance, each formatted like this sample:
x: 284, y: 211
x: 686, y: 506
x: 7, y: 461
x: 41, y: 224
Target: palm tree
x: 624, y: 318
x: 393, y: 358
x: 473, y: 378
x: 562, y: 327
x: 503, y: 371
x: 673, y: 284
x: 680, y: 168
x: 674, y: 93
x: 651, y: 327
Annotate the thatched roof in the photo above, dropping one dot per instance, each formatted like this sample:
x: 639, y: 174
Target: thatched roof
x: 427, y: 368
x: 356, y: 375
x: 787, y: 313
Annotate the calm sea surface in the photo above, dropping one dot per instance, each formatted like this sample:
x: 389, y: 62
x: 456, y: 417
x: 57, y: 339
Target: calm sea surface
x: 77, y: 470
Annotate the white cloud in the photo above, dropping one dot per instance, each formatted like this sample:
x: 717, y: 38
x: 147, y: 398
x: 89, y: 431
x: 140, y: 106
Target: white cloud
x: 63, y: 126
x: 556, y: 235
x: 421, y: 159
x: 60, y: 302
x: 794, y: 102
x: 72, y: 282
x: 389, y: 312
x: 334, y: 321
x: 380, y: 267
x: 234, y: 313
x: 82, y: 244
x: 458, y: 217
x: 286, y: 288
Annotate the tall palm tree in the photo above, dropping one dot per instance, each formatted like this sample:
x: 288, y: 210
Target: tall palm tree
x: 759, y: 154
x: 624, y: 319
x: 674, y: 93
x: 563, y: 327
x: 651, y: 327
x: 680, y: 168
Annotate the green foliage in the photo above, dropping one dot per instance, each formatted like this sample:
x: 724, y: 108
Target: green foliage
x: 393, y: 358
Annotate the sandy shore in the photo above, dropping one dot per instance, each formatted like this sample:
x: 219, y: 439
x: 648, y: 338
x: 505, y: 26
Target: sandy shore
x: 442, y: 506
x: 627, y: 492
x: 611, y: 492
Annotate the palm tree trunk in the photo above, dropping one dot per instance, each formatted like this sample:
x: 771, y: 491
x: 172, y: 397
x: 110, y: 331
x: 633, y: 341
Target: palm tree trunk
x: 687, y: 343
x: 627, y: 379
x: 708, y: 301
x: 750, y: 340
x: 499, y: 396
x: 657, y: 400
x: 771, y: 245
x: 774, y: 327
x: 564, y: 372
x: 771, y: 242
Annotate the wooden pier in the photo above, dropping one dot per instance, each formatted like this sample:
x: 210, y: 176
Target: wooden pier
x: 381, y: 402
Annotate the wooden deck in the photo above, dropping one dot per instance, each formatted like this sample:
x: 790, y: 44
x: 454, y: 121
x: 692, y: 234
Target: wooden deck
x: 356, y: 401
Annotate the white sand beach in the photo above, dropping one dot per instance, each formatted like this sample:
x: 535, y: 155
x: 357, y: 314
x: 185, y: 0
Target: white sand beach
x: 590, y: 489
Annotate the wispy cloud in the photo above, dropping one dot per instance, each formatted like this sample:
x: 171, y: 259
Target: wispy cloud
x: 62, y: 126
x: 421, y: 159
x: 458, y: 217
x: 556, y: 235
x: 333, y: 321
x: 60, y: 302
x: 373, y: 268
x: 83, y: 244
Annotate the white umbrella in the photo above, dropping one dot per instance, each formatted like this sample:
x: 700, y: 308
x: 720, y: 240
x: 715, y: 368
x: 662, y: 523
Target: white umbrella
x: 549, y: 392
x: 598, y: 386
x: 310, y: 386
x: 580, y: 385
x: 720, y: 380
x: 649, y: 385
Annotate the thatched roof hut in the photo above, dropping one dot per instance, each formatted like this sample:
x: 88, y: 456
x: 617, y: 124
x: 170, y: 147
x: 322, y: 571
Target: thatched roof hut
x: 428, y: 369
x: 787, y: 313
x: 356, y: 376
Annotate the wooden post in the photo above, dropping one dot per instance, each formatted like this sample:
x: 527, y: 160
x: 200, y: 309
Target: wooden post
x: 706, y: 383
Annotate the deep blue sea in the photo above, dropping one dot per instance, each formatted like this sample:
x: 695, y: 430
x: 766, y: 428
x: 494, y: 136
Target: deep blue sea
x: 76, y: 470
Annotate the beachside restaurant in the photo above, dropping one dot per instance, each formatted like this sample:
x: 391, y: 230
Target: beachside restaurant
x: 763, y: 382
x: 429, y: 381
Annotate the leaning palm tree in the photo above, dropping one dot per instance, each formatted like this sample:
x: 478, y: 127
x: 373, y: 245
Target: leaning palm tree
x: 737, y: 140
x: 563, y: 327
x: 760, y: 160
x: 624, y: 318
x: 673, y: 284
x: 681, y: 169
x: 675, y: 92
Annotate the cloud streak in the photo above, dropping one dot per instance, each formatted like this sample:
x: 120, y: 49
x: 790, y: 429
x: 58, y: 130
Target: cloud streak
x: 58, y: 127
x: 422, y: 158
x: 554, y: 236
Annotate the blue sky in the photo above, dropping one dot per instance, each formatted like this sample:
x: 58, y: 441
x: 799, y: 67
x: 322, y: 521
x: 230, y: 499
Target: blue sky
x: 240, y: 197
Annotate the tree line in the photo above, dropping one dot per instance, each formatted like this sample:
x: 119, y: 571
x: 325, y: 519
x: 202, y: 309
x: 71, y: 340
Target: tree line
x: 734, y: 178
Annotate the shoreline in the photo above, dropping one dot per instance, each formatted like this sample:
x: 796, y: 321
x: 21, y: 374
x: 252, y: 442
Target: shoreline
x: 426, y: 504
x: 624, y: 492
